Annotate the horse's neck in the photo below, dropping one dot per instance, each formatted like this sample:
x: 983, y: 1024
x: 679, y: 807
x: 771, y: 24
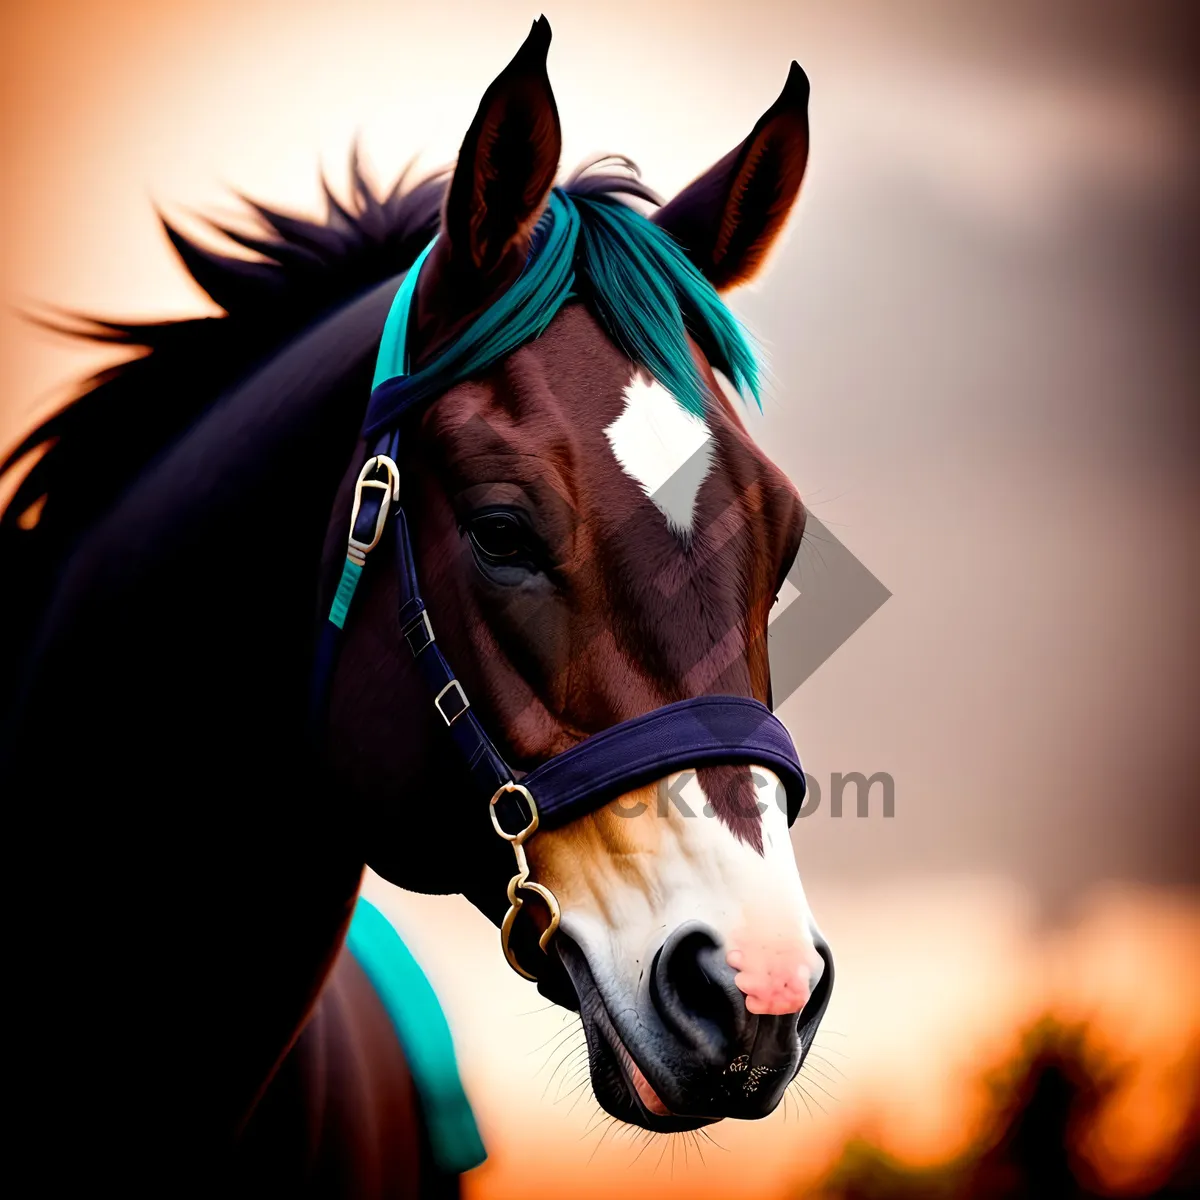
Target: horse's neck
x: 201, y: 872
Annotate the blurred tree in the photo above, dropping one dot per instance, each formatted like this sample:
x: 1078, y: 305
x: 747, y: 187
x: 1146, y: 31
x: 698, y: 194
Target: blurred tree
x: 1042, y: 1104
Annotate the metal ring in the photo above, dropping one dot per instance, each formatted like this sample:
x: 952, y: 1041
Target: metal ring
x: 516, y: 838
x: 505, y: 932
x: 517, y: 885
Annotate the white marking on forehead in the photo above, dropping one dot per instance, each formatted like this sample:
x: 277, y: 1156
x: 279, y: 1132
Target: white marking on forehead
x: 664, y: 448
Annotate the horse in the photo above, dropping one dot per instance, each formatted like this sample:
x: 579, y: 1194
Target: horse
x: 595, y: 535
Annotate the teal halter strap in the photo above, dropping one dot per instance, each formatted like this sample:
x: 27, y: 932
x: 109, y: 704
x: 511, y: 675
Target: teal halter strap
x: 390, y: 363
x: 392, y: 360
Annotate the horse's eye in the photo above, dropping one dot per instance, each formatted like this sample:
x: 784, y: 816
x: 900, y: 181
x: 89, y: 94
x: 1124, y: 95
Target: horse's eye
x: 498, y: 536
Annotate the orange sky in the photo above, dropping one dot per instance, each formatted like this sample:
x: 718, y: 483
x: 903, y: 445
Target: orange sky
x: 976, y: 381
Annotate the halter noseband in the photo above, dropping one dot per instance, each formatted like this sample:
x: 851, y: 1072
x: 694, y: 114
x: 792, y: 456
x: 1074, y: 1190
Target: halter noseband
x: 697, y: 732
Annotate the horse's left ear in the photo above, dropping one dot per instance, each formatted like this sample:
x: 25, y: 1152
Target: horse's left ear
x: 727, y: 219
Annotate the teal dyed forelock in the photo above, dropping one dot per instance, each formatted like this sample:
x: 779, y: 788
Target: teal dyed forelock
x: 649, y: 295
x: 640, y: 283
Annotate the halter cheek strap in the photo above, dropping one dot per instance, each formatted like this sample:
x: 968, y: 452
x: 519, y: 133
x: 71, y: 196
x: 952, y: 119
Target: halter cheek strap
x: 701, y: 731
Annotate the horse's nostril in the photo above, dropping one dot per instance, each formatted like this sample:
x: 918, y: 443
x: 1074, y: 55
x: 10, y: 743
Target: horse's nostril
x: 693, y: 990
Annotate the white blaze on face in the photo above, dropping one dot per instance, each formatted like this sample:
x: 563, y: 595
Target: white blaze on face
x: 667, y: 450
x: 632, y: 872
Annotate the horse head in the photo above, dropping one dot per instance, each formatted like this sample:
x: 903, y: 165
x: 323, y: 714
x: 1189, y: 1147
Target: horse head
x: 596, y: 536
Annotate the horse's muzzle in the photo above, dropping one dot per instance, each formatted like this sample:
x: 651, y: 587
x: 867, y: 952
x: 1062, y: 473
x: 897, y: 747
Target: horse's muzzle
x: 686, y: 1051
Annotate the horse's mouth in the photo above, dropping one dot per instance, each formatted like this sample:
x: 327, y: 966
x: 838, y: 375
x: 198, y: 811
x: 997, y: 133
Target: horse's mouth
x: 642, y: 1088
x: 621, y: 1086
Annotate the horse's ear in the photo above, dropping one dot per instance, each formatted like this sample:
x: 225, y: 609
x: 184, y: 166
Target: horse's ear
x: 507, y: 163
x: 727, y: 219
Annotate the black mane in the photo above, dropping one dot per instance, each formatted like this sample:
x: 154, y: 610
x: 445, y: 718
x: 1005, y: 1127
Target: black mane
x: 96, y: 446
x: 127, y: 413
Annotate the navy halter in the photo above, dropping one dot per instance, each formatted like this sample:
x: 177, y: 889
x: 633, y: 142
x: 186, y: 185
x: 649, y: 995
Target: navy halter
x: 697, y: 732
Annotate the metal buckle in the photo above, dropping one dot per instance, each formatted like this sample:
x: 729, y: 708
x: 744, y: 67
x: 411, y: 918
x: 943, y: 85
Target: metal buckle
x: 437, y: 701
x: 521, y: 882
x: 419, y: 625
x: 358, y: 550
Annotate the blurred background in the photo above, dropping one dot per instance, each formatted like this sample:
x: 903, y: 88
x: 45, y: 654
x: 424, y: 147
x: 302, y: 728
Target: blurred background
x: 980, y: 337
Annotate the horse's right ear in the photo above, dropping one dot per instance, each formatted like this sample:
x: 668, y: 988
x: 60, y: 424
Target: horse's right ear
x: 727, y: 219
x: 507, y: 163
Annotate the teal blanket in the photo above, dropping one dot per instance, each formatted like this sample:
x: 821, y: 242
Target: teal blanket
x: 424, y: 1036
